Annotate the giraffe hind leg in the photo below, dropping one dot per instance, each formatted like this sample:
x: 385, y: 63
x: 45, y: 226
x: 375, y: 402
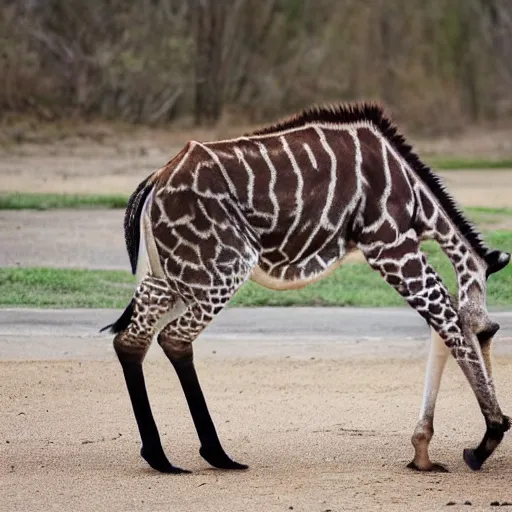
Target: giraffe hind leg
x: 176, y: 341
x: 150, y: 303
x: 424, y: 430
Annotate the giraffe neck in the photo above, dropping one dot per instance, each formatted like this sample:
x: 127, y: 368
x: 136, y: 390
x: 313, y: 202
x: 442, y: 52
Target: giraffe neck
x: 470, y: 267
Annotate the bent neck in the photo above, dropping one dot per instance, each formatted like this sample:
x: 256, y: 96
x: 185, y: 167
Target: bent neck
x: 470, y: 268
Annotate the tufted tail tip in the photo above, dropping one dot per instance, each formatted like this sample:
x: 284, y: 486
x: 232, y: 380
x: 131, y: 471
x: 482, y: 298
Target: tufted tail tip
x: 122, y: 322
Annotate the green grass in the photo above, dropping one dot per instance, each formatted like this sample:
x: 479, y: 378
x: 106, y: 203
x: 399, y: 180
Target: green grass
x: 63, y: 288
x: 26, y: 201
x: 454, y: 164
x: 489, y: 210
x: 487, y: 218
x: 353, y: 284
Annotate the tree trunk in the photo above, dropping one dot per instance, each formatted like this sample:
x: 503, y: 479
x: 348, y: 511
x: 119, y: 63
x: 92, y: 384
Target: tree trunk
x: 210, y: 19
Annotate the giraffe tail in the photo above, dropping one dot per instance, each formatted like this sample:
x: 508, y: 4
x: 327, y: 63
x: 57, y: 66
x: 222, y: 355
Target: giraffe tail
x: 132, y: 220
x: 132, y: 235
x: 122, y: 322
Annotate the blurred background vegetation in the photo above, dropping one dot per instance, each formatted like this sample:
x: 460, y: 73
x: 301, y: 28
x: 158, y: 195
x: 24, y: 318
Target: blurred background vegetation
x: 437, y: 64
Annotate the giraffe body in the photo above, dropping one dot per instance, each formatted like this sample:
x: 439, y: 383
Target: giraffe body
x: 283, y: 207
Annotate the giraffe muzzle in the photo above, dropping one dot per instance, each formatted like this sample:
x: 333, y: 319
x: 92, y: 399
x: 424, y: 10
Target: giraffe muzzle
x: 488, y: 332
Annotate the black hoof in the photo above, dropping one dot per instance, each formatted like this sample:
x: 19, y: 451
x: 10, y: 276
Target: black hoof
x: 157, y: 460
x: 471, y: 459
x: 433, y: 468
x: 219, y: 459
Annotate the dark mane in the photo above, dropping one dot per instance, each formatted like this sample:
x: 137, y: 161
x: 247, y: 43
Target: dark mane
x: 374, y: 114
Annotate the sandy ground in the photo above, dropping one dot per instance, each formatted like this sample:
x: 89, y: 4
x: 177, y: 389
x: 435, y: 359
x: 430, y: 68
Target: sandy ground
x: 97, y: 172
x: 480, y: 188
x: 323, y: 428
x: 318, y: 435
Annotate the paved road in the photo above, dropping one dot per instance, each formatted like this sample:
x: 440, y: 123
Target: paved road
x: 63, y: 238
x: 283, y: 332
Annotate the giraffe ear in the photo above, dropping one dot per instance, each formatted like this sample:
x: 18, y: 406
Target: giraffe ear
x: 496, y: 260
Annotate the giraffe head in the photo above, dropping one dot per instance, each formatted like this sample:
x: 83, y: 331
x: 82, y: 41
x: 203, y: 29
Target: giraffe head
x: 476, y: 319
x: 471, y: 302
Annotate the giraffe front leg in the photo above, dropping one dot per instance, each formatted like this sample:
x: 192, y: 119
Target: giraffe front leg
x: 425, y: 427
x: 495, y: 430
x: 424, y: 430
x: 476, y: 457
x: 405, y: 267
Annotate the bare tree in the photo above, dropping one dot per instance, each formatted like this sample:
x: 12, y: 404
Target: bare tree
x: 438, y: 64
x: 210, y: 22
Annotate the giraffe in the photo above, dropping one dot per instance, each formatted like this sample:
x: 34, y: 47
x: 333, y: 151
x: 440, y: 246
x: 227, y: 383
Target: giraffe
x: 283, y: 206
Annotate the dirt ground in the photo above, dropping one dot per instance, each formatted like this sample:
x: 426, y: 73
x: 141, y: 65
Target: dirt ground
x: 319, y: 435
x: 324, y: 421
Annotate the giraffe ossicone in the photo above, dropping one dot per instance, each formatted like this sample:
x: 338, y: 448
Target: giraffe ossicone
x: 283, y: 206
